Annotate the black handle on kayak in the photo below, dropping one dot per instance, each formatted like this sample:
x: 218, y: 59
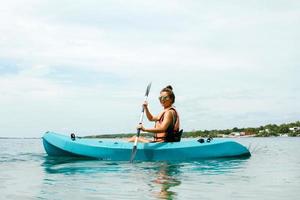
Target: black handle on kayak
x: 134, y: 149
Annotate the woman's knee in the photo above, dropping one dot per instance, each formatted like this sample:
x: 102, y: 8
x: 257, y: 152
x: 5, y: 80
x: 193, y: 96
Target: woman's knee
x: 131, y: 139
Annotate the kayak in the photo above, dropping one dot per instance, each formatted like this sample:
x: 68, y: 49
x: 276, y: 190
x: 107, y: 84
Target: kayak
x: 57, y: 144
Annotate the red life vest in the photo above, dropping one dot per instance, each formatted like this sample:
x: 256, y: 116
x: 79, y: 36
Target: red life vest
x: 172, y: 133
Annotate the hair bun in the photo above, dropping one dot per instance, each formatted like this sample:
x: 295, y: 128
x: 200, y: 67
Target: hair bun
x: 169, y: 87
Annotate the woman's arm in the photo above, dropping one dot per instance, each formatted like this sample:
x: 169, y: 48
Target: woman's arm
x: 168, y: 119
x: 148, y: 113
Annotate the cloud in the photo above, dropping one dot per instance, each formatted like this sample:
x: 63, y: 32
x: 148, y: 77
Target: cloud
x: 97, y: 35
x: 84, y: 65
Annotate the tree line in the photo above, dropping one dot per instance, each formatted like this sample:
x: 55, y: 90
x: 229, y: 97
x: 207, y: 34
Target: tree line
x: 261, y: 131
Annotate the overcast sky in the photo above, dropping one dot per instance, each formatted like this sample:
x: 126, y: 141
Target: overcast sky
x: 83, y: 66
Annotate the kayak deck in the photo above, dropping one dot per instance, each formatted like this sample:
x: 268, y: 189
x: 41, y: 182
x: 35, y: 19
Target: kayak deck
x: 104, y: 149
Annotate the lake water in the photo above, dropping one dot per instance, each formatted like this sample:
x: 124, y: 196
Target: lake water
x: 272, y: 172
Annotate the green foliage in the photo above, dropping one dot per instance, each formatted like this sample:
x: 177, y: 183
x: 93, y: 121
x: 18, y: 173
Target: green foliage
x: 235, y: 129
x: 283, y: 128
x: 251, y: 131
x: 294, y: 134
x: 267, y: 134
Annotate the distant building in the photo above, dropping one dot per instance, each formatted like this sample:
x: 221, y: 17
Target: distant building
x: 264, y: 131
x: 239, y: 134
x: 294, y: 129
x: 236, y: 134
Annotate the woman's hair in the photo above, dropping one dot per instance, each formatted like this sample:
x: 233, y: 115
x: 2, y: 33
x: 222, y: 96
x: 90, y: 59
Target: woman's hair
x: 170, y: 92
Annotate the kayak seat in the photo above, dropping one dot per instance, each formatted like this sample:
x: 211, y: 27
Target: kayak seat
x: 177, y: 136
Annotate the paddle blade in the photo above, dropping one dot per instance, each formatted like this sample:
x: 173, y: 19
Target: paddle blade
x: 148, y: 89
x: 133, y: 153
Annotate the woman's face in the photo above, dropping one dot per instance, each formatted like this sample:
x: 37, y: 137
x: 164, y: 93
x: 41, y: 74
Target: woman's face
x: 165, y: 99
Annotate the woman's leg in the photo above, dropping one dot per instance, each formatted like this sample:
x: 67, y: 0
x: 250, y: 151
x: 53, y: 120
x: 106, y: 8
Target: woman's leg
x: 131, y: 139
x: 140, y: 139
x: 143, y: 140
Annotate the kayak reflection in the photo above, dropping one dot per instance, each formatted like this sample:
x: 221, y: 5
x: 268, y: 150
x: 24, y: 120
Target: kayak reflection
x: 162, y: 180
x: 73, y: 165
x: 70, y: 165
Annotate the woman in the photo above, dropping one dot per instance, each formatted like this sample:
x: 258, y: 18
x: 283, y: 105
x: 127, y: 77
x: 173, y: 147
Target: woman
x: 166, y: 123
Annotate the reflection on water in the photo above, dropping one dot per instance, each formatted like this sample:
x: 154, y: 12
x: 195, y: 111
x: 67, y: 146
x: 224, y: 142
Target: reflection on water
x: 66, y: 165
x: 167, y: 177
x: 161, y: 179
x: 73, y: 165
x: 69, y: 165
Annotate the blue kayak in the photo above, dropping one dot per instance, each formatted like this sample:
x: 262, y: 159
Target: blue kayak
x: 105, y: 149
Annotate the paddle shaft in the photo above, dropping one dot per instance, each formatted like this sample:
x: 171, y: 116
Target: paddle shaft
x: 134, y: 149
x: 140, y: 122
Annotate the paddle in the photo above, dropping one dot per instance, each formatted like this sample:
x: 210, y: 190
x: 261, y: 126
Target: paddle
x: 134, y: 149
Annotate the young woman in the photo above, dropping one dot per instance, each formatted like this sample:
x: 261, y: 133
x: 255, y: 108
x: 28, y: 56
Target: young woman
x: 166, y: 123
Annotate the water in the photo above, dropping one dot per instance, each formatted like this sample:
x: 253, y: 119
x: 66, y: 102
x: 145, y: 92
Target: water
x: 273, y: 172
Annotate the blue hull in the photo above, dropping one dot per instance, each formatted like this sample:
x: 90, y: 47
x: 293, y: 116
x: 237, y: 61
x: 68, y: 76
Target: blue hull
x: 104, y: 149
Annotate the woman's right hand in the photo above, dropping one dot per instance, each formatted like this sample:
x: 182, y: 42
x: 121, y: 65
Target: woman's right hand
x: 145, y: 104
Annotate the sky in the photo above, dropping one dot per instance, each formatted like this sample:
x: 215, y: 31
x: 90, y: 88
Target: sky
x: 83, y: 66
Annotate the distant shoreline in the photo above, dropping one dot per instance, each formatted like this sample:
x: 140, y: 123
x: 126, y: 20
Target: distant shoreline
x: 184, y: 137
x: 118, y: 137
x: 270, y: 130
x: 112, y: 137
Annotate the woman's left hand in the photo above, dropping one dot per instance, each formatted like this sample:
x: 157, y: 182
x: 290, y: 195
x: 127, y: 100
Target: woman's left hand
x: 141, y: 127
